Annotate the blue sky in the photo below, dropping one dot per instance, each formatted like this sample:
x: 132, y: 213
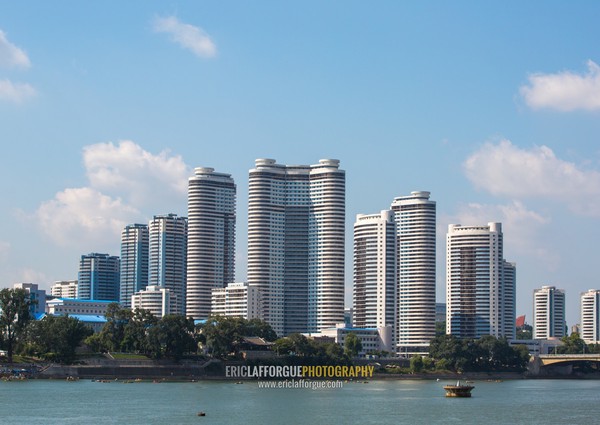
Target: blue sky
x: 106, y: 108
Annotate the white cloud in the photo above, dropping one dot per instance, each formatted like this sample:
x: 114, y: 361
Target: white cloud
x: 11, y: 55
x: 84, y: 214
x: 140, y: 177
x: 187, y: 36
x: 506, y: 170
x: 15, y: 92
x: 564, y: 91
x: 126, y: 184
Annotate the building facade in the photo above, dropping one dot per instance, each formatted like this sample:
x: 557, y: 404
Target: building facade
x: 59, y: 306
x: 374, y: 289
x: 238, y: 300
x: 296, y: 238
x: 37, y: 297
x: 64, y: 289
x: 548, y: 313
x: 134, y: 261
x: 168, y: 256
x: 590, y: 316
x: 98, y: 277
x: 477, y: 292
x: 415, y: 217
x: 211, y: 238
x: 156, y: 299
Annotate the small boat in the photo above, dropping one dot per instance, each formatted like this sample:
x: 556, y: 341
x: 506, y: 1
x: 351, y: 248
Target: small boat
x: 458, y: 390
x: 201, y: 414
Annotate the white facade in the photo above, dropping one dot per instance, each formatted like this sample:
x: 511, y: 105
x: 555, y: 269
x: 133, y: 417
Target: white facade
x: 374, y: 271
x: 60, y: 306
x: 64, y: 289
x: 590, y: 316
x: 37, y: 296
x: 156, y: 299
x: 211, y: 238
x: 548, y: 313
x: 477, y: 294
x: 237, y: 299
x: 167, y: 256
x: 296, y: 238
x: 372, y: 339
x: 415, y: 217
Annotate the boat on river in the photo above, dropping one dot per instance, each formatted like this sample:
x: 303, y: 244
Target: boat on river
x: 458, y: 390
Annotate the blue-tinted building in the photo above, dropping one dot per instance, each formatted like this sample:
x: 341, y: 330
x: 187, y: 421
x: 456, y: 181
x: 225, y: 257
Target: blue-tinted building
x: 99, y: 277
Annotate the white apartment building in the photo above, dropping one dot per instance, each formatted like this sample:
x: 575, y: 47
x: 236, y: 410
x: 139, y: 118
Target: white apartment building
x: 158, y: 300
x: 479, y: 299
x: 211, y: 238
x: 64, y: 289
x: 371, y: 339
x: 296, y: 238
x: 415, y: 217
x: 374, y: 289
x: 237, y: 299
x: 548, y: 313
x: 590, y: 316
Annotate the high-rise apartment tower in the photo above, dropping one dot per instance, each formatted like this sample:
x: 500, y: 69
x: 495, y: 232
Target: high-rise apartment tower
x: 134, y: 261
x: 211, y: 238
x: 167, y: 256
x: 415, y: 217
x: 296, y: 220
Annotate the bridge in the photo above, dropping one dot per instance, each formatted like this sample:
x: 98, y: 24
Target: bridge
x: 549, y: 359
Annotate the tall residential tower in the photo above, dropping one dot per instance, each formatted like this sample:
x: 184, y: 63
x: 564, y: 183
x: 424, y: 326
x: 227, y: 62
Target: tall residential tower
x: 415, y: 217
x: 296, y: 221
x: 374, y: 289
x: 167, y: 256
x: 211, y: 238
x: 548, y: 313
x: 478, y: 295
x: 134, y: 261
x: 590, y: 316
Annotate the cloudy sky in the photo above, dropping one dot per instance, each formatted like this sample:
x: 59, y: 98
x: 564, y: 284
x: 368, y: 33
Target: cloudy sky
x: 106, y: 108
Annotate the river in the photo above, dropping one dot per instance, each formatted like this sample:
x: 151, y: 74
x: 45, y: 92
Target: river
x: 376, y: 402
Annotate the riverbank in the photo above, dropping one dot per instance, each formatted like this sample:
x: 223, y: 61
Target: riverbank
x: 193, y: 370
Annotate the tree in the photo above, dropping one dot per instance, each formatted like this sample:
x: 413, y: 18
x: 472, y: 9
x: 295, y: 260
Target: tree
x: 222, y: 335
x: 572, y: 344
x: 136, y: 331
x: 113, y: 332
x: 172, y: 337
x: 57, y: 337
x: 14, y: 317
x: 416, y: 364
x: 352, y: 345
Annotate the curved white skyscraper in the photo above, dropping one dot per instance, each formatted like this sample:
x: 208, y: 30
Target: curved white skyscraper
x: 415, y: 217
x: 211, y: 238
x: 296, y: 227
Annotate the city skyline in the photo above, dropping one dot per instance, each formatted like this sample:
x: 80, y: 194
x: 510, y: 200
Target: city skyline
x: 104, y: 117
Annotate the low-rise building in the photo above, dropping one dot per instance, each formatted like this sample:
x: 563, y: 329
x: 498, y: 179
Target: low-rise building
x: 159, y: 300
x: 70, y: 306
x: 238, y: 300
x: 64, y: 289
x: 371, y: 339
x: 37, y: 297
